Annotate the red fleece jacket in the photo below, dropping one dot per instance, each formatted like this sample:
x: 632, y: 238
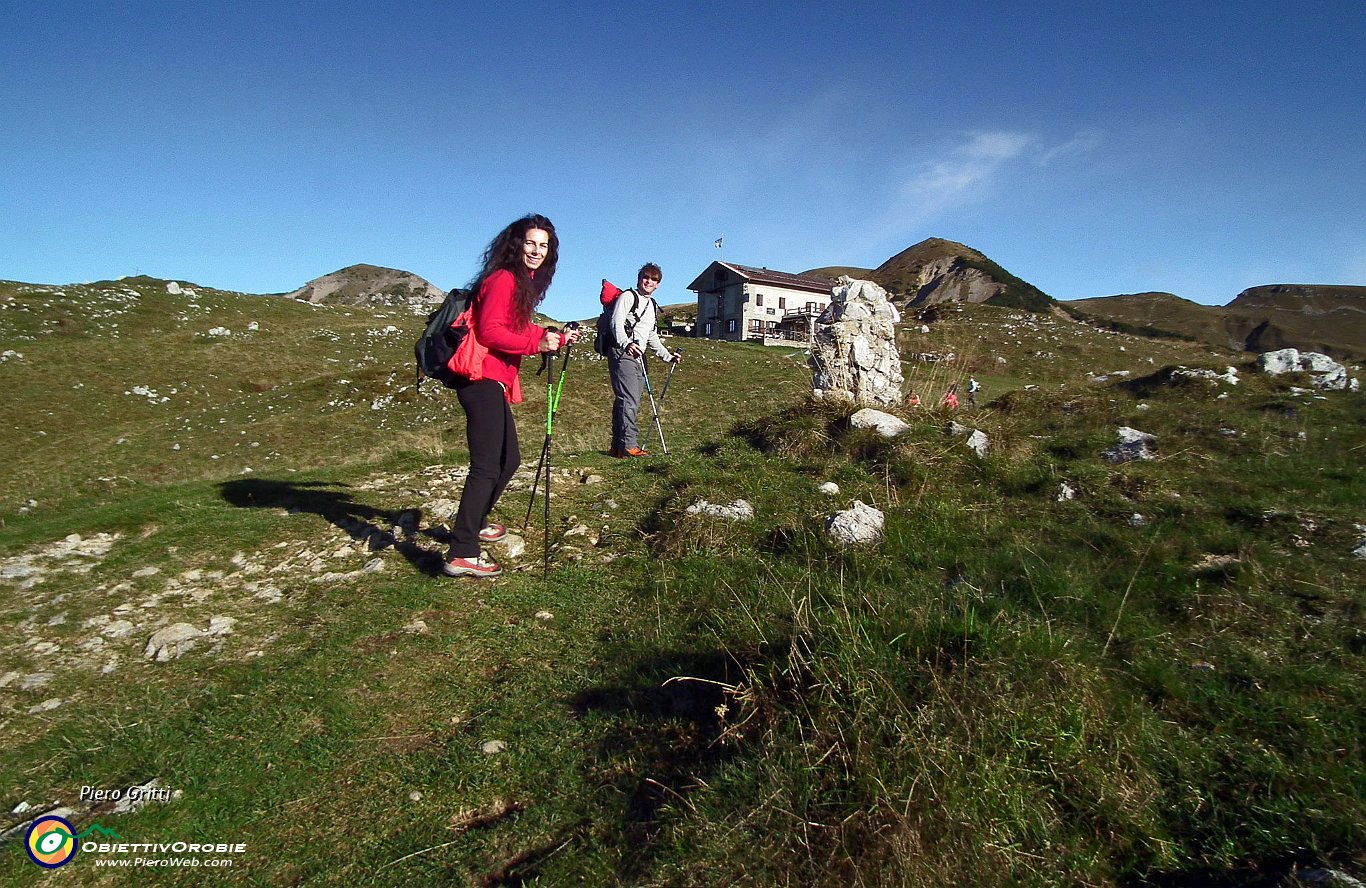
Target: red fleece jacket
x: 496, y: 328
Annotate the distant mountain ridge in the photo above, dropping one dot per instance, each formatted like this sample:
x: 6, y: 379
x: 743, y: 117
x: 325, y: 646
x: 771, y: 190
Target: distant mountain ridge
x: 368, y: 285
x: 1311, y: 317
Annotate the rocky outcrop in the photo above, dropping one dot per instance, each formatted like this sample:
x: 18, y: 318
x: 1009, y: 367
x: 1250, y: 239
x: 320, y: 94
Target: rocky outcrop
x: 937, y: 270
x: 369, y: 285
x: 1324, y: 372
x: 950, y: 279
x: 853, y: 353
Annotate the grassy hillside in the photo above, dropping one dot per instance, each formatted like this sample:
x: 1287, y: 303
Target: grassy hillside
x: 834, y: 272
x: 1155, y: 681
x: 1327, y: 319
x: 1154, y: 314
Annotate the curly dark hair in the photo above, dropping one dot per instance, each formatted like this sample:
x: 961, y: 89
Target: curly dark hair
x: 505, y: 252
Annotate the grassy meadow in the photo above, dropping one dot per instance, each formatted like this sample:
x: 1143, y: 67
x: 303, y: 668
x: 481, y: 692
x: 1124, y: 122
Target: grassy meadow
x: 1156, y: 681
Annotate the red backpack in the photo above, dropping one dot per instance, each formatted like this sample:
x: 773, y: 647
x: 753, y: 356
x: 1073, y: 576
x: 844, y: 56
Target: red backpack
x: 605, y: 338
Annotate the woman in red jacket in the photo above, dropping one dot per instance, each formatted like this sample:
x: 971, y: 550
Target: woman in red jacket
x: 518, y: 267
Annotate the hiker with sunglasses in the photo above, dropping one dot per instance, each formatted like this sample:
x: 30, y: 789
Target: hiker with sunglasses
x: 633, y: 329
x: 517, y: 269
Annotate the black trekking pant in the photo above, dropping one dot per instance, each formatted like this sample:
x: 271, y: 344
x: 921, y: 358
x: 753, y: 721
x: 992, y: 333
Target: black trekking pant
x: 494, y: 458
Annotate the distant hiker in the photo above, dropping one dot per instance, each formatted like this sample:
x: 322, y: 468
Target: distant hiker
x: 518, y: 267
x: 633, y: 328
x: 973, y: 388
x: 914, y: 399
x: 951, y: 397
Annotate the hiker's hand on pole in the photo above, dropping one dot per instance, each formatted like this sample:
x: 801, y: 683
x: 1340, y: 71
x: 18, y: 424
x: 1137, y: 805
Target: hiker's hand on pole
x: 634, y: 350
x: 571, y: 335
x: 677, y: 357
x: 551, y: 341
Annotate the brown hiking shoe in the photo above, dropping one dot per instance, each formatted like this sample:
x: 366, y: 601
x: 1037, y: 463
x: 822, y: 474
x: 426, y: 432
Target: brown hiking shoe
x: 637, y: 451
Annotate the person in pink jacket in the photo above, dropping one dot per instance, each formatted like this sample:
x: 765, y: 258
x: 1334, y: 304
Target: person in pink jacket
x: 519, y: 265
x: 951, y: 397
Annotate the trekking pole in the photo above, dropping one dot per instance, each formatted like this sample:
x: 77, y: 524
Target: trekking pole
x: 547, y: 363
x: 653, y: 406
x: 670, y: 378
x: 554, y: 390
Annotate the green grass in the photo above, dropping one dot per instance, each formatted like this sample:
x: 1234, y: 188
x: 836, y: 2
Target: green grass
x: 1010, y: 689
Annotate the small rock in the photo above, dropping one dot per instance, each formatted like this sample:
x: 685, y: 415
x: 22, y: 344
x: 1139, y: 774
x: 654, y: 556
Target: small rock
x: 171, y: 642
x: 117, y: 629
x: 740, y: 510
x: 220, y: 625
x: 978, y: 442
x: 36, y: 680
x: 1133, y: 445
x: 140, y: 796
x: 885, y: 424
x: 544, y: 615
x: 861, y: 523
x: 1214, y: 563
x: 492, y: 747
x: 418, y: 627
x: 829, y: 488
x: 1066, y: 492
x: 513, y: 546
x: 46, y: 706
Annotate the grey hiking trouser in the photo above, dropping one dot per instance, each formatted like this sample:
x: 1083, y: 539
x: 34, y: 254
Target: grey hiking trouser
x: 628, y: 381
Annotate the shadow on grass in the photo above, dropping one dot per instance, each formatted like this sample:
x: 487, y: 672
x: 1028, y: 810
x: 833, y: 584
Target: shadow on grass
x: 1281, y: 873
x: 376, y: 527
x: 668, y: 734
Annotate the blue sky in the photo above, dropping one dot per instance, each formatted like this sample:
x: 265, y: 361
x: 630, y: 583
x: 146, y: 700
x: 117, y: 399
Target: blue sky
x: 1092, y: 148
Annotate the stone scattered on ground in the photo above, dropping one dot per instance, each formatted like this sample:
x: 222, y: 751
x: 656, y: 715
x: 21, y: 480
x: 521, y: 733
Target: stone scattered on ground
x: 1133, y: 445
x: 740, y: 510
x: 885, y: 424
x: 859, y: 524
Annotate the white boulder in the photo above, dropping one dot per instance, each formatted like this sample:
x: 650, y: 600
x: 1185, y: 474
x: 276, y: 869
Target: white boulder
x: 860, y: 523
x: 885, y: 424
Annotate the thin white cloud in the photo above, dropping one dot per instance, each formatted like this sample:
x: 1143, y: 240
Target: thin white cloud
x: 958, y: 176
x: 1083, y: 142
